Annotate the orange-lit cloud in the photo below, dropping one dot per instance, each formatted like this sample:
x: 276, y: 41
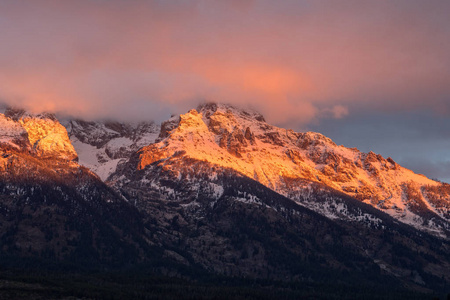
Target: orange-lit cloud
x: 296, y: 61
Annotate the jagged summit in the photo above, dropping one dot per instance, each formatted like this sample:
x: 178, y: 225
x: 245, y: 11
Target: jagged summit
x: 17, y: 114
x: 14, y: 113
x: 207, y: 109
x: 46, y: 136
x: 225, y: 135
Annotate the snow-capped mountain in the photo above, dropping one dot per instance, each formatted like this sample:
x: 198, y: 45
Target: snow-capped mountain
x: 288, y: 162
x: 50, y: 206
x: 220, y: 191
x: 101, y: 146
x: 282, y: 160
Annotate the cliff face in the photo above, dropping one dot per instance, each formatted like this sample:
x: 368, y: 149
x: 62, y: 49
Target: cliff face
x: 47, y: 137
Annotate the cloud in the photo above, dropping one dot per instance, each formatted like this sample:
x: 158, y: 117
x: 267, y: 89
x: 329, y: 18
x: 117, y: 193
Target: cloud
x: 336, y: 112
x: 295, y: 61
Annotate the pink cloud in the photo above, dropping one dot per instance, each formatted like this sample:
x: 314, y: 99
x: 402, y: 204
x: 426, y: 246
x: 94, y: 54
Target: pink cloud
x: 293, y: 60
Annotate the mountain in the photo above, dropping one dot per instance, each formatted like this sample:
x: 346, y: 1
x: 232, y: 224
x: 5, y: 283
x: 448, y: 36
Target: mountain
x: 283, y: 159
x: 218, y: 194
x: 53, y: 209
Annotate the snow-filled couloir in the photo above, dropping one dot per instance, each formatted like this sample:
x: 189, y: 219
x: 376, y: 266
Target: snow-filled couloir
x: 101, y: 146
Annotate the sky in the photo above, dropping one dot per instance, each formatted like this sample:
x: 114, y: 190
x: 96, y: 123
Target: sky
x: 369, y: 74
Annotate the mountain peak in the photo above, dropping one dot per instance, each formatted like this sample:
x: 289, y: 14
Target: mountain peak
x: 207, y: 109
x: 238, y: 139
x: 17, y: 114
x: 45, y: 134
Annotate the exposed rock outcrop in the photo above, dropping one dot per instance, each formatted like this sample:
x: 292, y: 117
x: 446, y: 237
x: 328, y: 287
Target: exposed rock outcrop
x: 47, y: 137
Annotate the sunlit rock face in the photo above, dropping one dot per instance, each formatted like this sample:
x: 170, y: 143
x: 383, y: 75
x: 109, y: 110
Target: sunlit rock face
x: 46, y: 135
x: 241, y: 140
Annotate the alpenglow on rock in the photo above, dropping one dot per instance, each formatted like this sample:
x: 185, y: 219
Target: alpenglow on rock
x: 241, y: 140
x: 46, y: 135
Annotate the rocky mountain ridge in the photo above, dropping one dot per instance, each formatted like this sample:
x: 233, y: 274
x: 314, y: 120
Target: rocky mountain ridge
x: 241, y: 140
